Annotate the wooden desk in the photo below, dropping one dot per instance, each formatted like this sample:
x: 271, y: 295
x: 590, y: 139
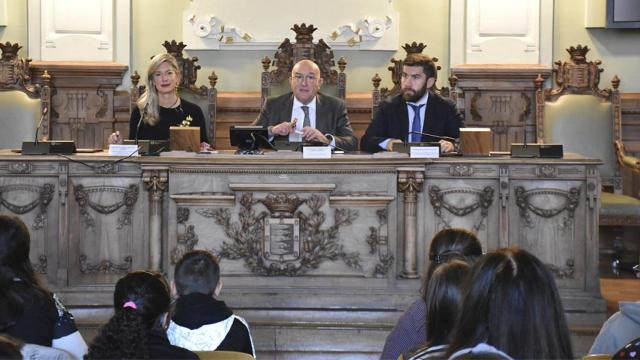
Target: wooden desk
x: 318, y: 255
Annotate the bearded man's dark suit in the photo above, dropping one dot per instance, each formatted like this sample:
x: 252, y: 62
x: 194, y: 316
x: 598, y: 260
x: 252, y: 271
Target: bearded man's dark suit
x: 331, y: 118
x: 391, y: 121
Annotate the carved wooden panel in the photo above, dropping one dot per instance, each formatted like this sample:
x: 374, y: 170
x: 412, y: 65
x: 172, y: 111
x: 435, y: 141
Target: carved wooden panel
x: 106, y: 228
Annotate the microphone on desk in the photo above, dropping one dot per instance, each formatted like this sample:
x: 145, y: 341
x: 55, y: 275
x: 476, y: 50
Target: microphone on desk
x: 45, y: 111
x: 441, y: 137
x: 36, y: 147
x: 142, y: 114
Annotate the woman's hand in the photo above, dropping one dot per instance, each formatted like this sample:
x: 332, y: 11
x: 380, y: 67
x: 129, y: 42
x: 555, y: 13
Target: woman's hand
x: 115, y: 138
x: 205, y: 147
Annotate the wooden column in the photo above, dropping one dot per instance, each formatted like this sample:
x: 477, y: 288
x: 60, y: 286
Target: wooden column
x: 155, y: 181
x: 410, y: 181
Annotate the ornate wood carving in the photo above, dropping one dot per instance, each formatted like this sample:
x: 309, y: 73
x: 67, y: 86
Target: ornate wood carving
x: 41, y: 266
x: 289, y: 54
x: 284, y: 240
x: 185, y: 241
x: 378, y: 243
x: 566, y: 272
x: 410, y: 183
x: 44, y: 197
x: 104, y: 266
x: 483, y: 201
x: 83, y: 198
x: 525, y: 204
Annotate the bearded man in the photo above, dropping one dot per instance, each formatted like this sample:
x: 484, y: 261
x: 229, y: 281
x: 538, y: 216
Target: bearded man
x: 414, y: 114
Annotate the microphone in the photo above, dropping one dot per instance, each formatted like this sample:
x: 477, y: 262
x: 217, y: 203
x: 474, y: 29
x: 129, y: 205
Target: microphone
x: 45, y: 110
x: 144, y: 111
x: 441, y: 137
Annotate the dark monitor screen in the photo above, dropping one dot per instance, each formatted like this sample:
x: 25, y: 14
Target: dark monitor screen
x: 623, y: 14
x: 249, y: 137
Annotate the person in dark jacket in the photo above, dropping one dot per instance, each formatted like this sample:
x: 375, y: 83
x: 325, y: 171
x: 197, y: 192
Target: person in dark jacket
x: 201, y: 322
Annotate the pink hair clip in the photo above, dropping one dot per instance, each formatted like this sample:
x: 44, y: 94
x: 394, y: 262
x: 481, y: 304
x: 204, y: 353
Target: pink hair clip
x: 130, y: 304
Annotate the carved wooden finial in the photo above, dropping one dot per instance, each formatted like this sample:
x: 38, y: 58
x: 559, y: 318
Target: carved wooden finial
x: 538, y: 81
x: 9, y: 50
x: 414, y: 48
x: 174, y: 48
x: 342, y: 64
x: 453, y: 81
x: 615, y: 82
x: 578, y: 54
x: 304, y: 33
x: 135, y: 78
x: 266, y: 63
x: 376, y: 81
x: 46, y: 78
x: 213, y: 79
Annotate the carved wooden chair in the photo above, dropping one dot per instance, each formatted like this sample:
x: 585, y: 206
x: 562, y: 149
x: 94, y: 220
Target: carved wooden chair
x: 587, y: 120
x: 23, y: 102
x: 379, y: 94
x: 204, y: 96
x: 288, y: 54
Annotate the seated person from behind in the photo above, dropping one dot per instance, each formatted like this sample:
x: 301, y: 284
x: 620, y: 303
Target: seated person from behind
x: 307, y: 115
x: 161, y: 107
x: 415, y: 110
x: 200, y: 322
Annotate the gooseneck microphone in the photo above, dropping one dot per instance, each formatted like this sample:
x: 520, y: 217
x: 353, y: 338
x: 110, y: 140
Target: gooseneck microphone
x: 45, y: 110
x: 441, y: 137
x: 142, y: 114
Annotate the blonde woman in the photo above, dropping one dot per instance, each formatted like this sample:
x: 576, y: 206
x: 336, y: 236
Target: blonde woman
x: 160, y: 107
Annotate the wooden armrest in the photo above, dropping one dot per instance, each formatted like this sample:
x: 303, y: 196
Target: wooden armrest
x: 628, y: 161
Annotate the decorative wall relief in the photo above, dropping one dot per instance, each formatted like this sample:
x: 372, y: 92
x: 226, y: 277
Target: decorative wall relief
x: 563, y: 272
x: 83, y: 198
x: 41, y: 266
x: 187, y: 240
x: 480, y: 199
x: 44, y: 197
x: 104, y: 266
x: 378, y: 242
x: 525, y: 202
x: 284, y: 240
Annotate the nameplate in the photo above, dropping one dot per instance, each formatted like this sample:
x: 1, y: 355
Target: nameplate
x: 424, y: 151
x: 316, y: 152
x: 123, y: 150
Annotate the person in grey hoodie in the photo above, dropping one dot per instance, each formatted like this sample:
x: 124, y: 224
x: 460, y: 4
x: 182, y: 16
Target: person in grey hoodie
x: 619, y: 329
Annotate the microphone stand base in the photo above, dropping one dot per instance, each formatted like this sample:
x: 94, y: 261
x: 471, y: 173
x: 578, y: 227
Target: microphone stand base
x: 48, y: 147
x: 519, y: 150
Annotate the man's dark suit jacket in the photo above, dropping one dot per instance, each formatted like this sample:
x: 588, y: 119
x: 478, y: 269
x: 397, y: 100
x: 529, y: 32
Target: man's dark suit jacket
x: 331, y: 118
x: 392, y: 121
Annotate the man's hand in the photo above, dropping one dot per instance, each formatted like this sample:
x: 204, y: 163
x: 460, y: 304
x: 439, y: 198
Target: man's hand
x: 205, y: 146
x: 115, y: 138
x: 313, y: 134
x: 391, y: 142
x: 446, y: 146
x: 282, y: 129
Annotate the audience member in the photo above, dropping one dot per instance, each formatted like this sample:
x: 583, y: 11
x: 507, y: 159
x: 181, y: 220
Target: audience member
x: 9, y: 348
x: 410, y: 330
x: 141, y: 301
x: 511, y: 302
x: 200, y: 322
x: 444, y: 295
x: 619, y: 329
x: 28, y: 311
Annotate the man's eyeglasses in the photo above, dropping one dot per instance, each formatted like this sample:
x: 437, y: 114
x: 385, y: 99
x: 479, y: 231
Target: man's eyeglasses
x: 309, y: 77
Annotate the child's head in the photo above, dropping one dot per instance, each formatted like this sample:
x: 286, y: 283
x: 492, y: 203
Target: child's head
x: 197, y: 272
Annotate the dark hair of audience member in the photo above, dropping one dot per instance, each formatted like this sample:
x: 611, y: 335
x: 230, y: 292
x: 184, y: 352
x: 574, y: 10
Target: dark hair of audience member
x: 197, y: 271
x: 511, y: 302
x: 18, y: 280
x: 449, y: 244
x: 126, y: 333
x: 9, y: 348
x: 444, y: 295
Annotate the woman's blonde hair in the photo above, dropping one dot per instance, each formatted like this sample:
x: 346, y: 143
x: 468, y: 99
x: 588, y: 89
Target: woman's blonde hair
x: 148, y: 103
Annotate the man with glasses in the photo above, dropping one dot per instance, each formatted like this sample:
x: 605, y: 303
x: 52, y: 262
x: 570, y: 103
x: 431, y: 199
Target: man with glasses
x: 307, y: 115
x: 415, y: 113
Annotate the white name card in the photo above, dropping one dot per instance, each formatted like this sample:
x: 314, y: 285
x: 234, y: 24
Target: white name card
x: 123, y: 150
x: 424, y: 152
x: 316, y: 152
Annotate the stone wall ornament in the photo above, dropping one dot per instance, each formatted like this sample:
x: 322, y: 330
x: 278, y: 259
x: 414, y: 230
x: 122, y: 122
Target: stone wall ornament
x: 283, y: 241
x: 566, y: 272
x: 83, y: 199
x: 188, y: 239
x: 378, y: 242
x: 41, y: 266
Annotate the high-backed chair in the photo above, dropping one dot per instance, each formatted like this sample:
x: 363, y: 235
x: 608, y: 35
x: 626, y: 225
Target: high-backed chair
x: 22, y: 101
x: 379, y: 94
x: 203, y: 96
x: 288, y: 54
x: 587, y: 120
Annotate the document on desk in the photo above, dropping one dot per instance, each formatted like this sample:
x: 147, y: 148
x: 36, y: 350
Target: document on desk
x: 123, y: 150
x: 316, y: 152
